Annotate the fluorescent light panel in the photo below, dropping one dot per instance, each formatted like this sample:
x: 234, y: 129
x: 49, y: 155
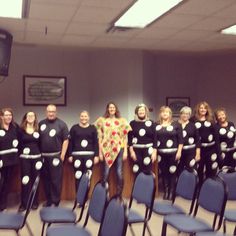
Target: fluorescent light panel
x: 229, y: 30
x: 11, y: 8
x: 143, y: 12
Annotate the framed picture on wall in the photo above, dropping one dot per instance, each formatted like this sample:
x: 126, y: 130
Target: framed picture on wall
x: 42, y: 90
x: 176, y: 103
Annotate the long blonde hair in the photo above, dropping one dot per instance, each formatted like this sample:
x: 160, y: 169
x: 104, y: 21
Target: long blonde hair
x: 162, y: 109
x: 209, y: 114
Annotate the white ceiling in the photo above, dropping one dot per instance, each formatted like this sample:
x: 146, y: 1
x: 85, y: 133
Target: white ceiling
x: 192, y: 26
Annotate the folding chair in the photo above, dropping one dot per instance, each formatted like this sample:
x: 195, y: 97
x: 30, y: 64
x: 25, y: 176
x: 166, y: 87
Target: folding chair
x: 187, y: 178
x: 228, y: 174
x: 16, y: 221
x: 143, y: 193
x: 212, y: 198
x: 50, y: 215
x: 114, y: 222
x: 211, y: 234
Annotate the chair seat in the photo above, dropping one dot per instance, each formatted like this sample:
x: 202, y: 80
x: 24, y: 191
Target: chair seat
x: 135, y: 217
x: 57, y: 215
x: 230, y: 215
x: 186, y: 223
x: 69, y: 230
x: 166, y: 208
x: 11, y: 220
x: 211, y: 234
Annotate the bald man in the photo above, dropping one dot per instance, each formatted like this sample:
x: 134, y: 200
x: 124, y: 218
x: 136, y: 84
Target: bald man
x: 54, y: 142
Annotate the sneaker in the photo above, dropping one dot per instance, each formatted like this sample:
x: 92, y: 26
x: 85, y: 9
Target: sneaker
x: 21, y: 208
x: 35, y: 206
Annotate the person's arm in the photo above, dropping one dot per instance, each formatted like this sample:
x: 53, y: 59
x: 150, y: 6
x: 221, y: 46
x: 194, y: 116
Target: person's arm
x: 180, y: 141
x: 64, y: 149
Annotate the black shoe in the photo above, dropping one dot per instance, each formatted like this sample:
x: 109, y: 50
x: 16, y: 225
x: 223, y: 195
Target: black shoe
x: 47, y: 204
x: 21, y: 208
x: 35, y: 206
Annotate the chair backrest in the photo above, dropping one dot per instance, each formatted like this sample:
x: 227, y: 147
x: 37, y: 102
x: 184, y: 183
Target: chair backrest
x: 229, y: 177
x: 115, y: 218
x: 144, y: 189
x: 212, y: 197
x: 31, y: 198
x: 97, y: 203
x: 83, y: 189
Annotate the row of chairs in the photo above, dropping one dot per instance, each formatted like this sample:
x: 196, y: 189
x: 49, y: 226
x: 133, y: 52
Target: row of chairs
x: 212, y: 197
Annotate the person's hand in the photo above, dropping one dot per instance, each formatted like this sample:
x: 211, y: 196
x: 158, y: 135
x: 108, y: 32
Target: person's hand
x: 62, y: 157
x: 125, y: 155
x: 197, y: 158
x: 101, y: 157
x: 70, y: 159
x: 96, y: 160
x: 133, y: 156
x: 178, y: 156
x: 153, y: 157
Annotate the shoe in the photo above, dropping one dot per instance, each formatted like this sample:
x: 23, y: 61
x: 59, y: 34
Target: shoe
x: 21, y: 208
x: 47, y: 204
x: 35, y: 206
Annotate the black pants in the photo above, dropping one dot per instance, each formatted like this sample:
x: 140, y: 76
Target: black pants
x: 82, y: 164
x: 52, y: 174
x: 118, y: 164
x: 143, y: 162
x: 209, y: 162
x: 228, y: 159
x: 187, y: 160
x: 5, y: 183
x: 30, y: 169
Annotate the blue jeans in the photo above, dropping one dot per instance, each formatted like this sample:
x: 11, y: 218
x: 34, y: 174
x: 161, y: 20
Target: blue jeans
x: 118, y: 164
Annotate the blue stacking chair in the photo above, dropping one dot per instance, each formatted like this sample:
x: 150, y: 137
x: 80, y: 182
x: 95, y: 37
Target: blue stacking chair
x: 228, y: 174
x: 50, y: 215
x: 143, y: 193
x: 212, y: 197
x: 114, y: 222
x: 186, y: 188
x: 211, y: 234
x: 16, y: 221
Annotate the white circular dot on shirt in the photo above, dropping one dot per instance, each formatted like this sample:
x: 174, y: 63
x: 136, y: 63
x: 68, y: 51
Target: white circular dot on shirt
x: 223, y: 145
x: 234, y: 156
x: 223, y: 156
x: 222, y: 131
x: 232, y: 129
x: 2, y: 133
x: 184, y: 133
x: 210, y: 137
x: 43, y: 127
x: 142, y: 132
x: 89, y: 163
x: 146, y: 161
x: 169, y: 128
x: 25, y: 180
x: 77, y: 163
x: 78, y: 174
x: 52, y: 132
x: 15, y: 143
x: 158, y: 127
x: 84, y: 143
x: 207, y: 123
x: 55, y: 161
x: 159, y: 158
x: 26, y: 151
x: 148, y: 123
x: 230, y: 134
x: 198, y: 125
x: 36, y: 135
x: 214, y: 165
x: 192, y: 163
x: 172, y: 169
x: 191, y: 140
x: 1, y: 163
x: 135, y: 168
x: 134, y: 140
x: 38, y: 165
x: 213, y: 156
x: 150, y: 150
x: 169, y: 143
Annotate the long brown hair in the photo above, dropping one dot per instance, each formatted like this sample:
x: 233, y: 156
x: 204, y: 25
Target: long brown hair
x: 107, y: 114
x: 162, y: 109
x: 2, y: 111
x: 209, y: 114
x: 23, y: 124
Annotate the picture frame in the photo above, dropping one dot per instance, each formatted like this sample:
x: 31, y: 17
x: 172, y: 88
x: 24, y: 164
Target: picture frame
x: 176, y: 103
x: 43, y: 90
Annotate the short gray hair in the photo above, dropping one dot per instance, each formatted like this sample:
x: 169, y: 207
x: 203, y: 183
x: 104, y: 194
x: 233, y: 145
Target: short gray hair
x: 186, y: 109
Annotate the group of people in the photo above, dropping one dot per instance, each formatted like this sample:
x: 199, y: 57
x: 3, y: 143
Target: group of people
x: 202, y: 141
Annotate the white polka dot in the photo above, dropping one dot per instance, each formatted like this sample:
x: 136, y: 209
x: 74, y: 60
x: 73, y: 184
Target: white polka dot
x: 232, y: 129
x: 142, y: 132
x: 158, y: 127
x: 158, y: 143
x: 210, y: 137
x: 230, y: 134
x: 146, y: 161
x: 1, y: 163
x: 36, y: 135
x: 26, y: 151
x: 78, y: 174
x: 55, y: 161
x: 184, y: 133
x: 169, y: 128
x: 172, y: 169
x: 223, y: 156
x: 77, y: 163
x: 135, y: 168
x: 134, y: 140
x: 169, y: 143
x: 207, y: 123
x: 15, y: 143
x: 2, y: 133
x: 213, y: 156
x: 43, y: 127
x: 25, y: 179
x: 150, y: 150
x: 234, y: 156
x: 52, y: 132
x: 191, y: 140
x: 198, y: 125
x: 84, y: 143
x: 148, y: 123
x: 89, y: 173
x: 214, y: 165
x: 235, y: 143
x: 159, y: 158
x: 222, y: 131
x: 192, y: 163
x: 89, y: 163
x: 38, y: 165
x: 223, y: 145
